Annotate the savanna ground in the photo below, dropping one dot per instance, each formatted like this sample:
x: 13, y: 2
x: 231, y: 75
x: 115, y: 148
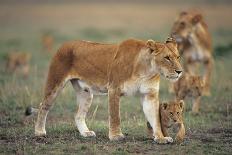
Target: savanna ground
x: 21, y: 28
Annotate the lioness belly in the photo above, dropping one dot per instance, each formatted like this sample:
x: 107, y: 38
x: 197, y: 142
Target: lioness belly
x: 127, y: 89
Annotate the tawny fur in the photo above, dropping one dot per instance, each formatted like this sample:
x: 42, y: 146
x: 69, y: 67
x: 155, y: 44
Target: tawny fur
x: 190, y: 86
x: 171, y: 116
x: 18, y: 62
x: 47, y: 42
x: 194, y: 43
x: 133, y: 66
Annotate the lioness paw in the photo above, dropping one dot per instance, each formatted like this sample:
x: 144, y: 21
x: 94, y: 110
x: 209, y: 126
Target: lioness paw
x: 39, y: 133
x: 164, y: 140
x: 88, y: 134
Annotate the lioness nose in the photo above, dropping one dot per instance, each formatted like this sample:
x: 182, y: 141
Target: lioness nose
x: 174, y: 120
x: 178, y: 71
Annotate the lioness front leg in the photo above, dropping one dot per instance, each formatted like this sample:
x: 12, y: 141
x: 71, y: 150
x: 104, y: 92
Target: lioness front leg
x: 151, y: 110
x: 196, y: 105
x: 114, y: 114
x: 208, y: 64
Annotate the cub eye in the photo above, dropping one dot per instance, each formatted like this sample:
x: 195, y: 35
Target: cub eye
x: 178, y: 57
x: 167, y: 58
x: 182, y: 24
x: 171, y: 113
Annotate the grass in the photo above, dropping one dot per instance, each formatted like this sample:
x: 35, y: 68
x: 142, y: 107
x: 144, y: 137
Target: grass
x: 208, y: 133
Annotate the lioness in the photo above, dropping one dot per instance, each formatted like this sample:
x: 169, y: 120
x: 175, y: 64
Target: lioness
x: 194, y: 43
x: 132, y: 66
x: 190, y: 86
x: 171, y: 115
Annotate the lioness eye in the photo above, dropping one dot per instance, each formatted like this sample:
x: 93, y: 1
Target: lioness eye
x: 171, y: 113
x: 167, y: 58
x: 178, y: 57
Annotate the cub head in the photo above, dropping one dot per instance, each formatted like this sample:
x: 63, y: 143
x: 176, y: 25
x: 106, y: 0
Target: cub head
x: 184, y: 25
x: 195, y: 85
x: 165, y: 58
x: 173, y: 110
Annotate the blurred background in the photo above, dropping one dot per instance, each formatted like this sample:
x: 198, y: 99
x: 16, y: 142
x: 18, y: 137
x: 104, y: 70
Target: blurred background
x: 38, y: 28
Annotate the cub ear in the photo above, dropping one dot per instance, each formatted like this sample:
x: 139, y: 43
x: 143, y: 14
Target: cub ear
x: 181, y: 103
x: 154, y: 46
x: 171, y: 41
x: 183, y: 13
x: 196, y: 19
x: 164, y: 105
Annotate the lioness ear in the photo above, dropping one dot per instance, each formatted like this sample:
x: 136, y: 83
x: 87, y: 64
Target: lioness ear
x: 171, y: 41
x: 181, y: 103
x: 153, y: 46
x: 164, y: 105
x: 196, y: 19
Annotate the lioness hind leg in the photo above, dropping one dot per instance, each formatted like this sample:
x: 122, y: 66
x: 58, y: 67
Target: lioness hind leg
x: 84, y: 98
x: 44, y: 109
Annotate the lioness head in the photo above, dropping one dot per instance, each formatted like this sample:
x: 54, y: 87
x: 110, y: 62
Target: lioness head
x: 195, y: 85
x: 172, y: 110
x: 166, y: 58
x: 184, y: 25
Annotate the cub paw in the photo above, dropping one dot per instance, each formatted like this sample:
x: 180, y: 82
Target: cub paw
x: 118, y: 137
x: 179, y: 139
x: 88, y: 134
x: 164, y: 140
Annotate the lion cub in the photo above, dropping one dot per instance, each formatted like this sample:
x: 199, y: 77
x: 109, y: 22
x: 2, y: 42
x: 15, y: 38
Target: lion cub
x: 47, y: 42
x: 190, y: 86
x: 18, y: 61
x: 171, y: 115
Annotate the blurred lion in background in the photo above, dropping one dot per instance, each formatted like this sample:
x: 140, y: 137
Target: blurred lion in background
x: 18, y: 62
x: 194, y: 44
x: 47, y: 42
x: 190, y: 86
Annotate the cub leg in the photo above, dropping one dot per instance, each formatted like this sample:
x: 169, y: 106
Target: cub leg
x: 165, y: 132
x: 181, y: 133
x: 149, y: 130
x: 84, y: 98
x: 150, y: 104
x: 114, y: 114
x: 196, y: 105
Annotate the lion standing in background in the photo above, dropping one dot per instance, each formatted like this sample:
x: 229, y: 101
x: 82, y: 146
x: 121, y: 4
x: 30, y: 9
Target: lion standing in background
x: 130, y: 67
x: 194, y: 43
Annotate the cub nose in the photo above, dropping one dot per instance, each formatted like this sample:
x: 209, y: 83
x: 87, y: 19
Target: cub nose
x: 174, y: 120
x: 178, y: 71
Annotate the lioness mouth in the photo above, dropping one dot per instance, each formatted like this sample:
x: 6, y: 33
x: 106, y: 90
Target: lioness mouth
x: 172, y: 78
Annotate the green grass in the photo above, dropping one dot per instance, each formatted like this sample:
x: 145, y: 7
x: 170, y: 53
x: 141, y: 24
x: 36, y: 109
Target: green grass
x: 208, y: 133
